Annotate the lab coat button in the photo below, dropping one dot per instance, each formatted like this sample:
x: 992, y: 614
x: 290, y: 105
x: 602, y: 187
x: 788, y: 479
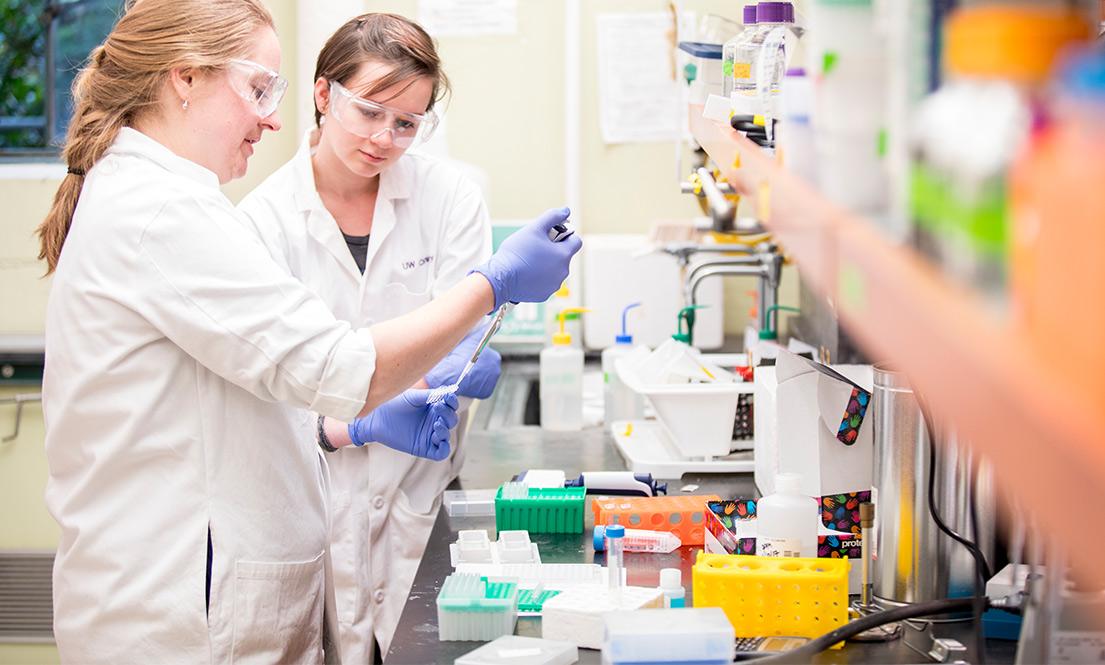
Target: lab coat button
x: 378, y: 502
x: 379, y: 595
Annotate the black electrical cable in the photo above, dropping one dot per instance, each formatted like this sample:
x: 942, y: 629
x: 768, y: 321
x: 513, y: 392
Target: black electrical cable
x: 980, y: 560
x: 982, y: 569
x: 806, y: 652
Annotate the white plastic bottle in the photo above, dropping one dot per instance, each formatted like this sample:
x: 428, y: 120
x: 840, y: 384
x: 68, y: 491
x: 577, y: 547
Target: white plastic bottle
x: 786, y: 521
x: 729, y: 67
x: 671, y: 584
x: 619, y: 402
x: 561, y: 382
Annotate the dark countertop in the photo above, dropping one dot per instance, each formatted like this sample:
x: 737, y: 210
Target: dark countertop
x: 496, y: 450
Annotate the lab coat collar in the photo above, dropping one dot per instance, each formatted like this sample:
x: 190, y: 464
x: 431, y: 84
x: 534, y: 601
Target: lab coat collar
x: 396, y: 183
x: 306, y: 191
x: 321, y: 225
x: 130, y: 141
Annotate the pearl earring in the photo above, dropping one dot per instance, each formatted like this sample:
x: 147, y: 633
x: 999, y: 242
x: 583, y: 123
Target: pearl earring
x: 184, y: 105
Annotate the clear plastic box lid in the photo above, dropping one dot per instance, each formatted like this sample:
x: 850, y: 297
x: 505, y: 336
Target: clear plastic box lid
x: 470, y: 503
x: 518, y: 650
x: 700, y: 634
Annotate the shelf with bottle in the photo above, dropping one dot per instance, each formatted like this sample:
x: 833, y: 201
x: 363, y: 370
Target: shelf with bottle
x: 983, y: 374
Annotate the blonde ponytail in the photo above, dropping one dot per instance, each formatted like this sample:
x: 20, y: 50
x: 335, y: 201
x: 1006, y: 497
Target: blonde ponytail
x: 124, y: 77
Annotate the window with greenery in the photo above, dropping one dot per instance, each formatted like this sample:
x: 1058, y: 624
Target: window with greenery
x: 43, y: 44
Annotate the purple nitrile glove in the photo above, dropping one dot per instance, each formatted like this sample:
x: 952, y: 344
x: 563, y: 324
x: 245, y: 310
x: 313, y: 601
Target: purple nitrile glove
x: 481, y: 379
x: 528, y: 266
x: 407, y: 424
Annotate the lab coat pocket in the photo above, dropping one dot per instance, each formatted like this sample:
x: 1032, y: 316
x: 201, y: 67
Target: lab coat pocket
x: 395, y: 299
x: 412, y: 524
x: 278, y: 609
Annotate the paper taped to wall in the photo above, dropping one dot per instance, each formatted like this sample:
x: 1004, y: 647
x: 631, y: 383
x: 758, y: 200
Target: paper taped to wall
x: 468, y: 18
x: 638, y: 96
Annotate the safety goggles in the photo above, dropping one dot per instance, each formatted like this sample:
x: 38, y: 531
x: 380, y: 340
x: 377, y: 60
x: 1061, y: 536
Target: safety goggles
x: 257, y: 84
x: 370, y: 120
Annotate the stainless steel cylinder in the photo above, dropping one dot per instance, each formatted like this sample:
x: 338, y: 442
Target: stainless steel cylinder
x: 914, y: 560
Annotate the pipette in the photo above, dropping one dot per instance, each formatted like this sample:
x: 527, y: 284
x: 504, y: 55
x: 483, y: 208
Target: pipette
x: 557, y: 233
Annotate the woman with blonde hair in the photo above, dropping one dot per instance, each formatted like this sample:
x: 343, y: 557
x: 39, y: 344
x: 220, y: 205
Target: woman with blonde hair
x: 180, y: 356
x: 377, y: 231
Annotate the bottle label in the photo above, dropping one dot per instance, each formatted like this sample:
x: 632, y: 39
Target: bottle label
x: 674, y: 602
x: 742, y: 70
x: 778, y: 546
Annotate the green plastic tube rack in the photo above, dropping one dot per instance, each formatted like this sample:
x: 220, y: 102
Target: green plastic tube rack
x: 543, y: 510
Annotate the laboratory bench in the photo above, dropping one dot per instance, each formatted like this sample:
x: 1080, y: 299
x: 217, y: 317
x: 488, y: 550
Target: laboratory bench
x: 498, y: 447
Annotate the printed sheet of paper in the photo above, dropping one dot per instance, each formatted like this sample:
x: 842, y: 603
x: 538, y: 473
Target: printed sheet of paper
x: 638, y: 97
x: 468, y: 18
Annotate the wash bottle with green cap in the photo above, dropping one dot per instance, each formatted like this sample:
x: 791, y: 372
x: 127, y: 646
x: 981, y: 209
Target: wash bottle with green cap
x: 561, y: 382
x: 619, y: 401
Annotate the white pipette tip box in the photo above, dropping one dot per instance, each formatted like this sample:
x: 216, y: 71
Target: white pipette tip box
x: 473, y: 608
x: 519, y: 650
x: 700, y: 635
x: 578, y: 615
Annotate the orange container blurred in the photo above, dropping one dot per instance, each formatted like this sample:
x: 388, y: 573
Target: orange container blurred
x: 683, y: 515
x: 1018, y: 43
x: 1057, y: 254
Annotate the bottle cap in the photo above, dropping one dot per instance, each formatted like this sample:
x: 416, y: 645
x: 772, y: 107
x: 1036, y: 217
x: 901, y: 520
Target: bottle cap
x: 564, y: 338
x: 671, y: 578
x: 598, y: 538
x: 750, y: 14
x: 625, y: 337
x: 774, y: 12
x: 791, y: 483
x: 615, y: 531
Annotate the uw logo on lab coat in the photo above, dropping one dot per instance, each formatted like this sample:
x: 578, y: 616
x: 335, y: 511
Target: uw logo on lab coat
x: 417, y: 263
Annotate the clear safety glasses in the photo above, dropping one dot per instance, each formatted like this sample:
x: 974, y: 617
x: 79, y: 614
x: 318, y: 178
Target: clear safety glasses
x: 258, y: 85
x: 370, y: 120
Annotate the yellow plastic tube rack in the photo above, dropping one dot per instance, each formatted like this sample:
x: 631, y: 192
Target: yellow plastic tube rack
x: 768, y: 596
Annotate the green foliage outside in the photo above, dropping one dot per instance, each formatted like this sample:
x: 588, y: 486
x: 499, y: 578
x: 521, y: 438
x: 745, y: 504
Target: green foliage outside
x: 79, y: 26
x: 22, y: 69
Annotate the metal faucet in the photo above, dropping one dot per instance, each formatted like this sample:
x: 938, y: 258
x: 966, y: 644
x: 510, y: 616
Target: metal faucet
x: 723, y: 213
x: 766, y: 264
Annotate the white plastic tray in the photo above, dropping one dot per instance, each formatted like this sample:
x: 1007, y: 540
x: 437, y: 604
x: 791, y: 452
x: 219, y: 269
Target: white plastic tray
x: 649, y: 449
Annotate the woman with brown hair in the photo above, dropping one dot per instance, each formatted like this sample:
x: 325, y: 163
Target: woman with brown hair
x: 180, y: 356
x: 377, y: 231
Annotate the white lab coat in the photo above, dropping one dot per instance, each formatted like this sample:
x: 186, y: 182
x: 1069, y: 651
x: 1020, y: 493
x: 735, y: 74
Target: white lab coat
x: 174, y: 345
x: 430, y: 227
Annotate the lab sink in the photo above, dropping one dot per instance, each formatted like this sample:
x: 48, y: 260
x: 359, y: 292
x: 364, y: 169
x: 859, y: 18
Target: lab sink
x: 516, y: 400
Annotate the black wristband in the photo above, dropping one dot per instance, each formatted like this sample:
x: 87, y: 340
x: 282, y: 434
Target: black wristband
x: 323, y: 440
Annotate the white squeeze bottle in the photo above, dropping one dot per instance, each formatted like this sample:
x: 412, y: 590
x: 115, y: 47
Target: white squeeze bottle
x: 786, y: 521
x: 619, y: 402
x: 561, y: 381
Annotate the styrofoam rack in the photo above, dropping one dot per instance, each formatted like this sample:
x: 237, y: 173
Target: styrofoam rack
x: 647, y: 447
x: 578, y: 615
x: 560, y: 576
